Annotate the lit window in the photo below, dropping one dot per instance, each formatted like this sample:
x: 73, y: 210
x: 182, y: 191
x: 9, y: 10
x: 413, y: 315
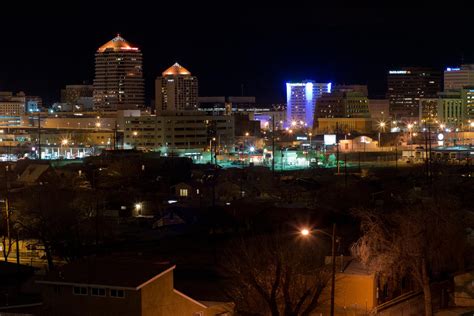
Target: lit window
x: 183, y: 192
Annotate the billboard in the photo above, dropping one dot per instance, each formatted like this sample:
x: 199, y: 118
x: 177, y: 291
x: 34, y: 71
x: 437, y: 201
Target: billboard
x: 329, y: 139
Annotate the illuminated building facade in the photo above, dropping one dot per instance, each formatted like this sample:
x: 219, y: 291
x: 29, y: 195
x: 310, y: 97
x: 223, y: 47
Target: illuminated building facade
x: 301, y: 102
x: 118, y: 83
x: 468, y: 98
x: 12, y: 108
x: 459, y: 77
x: 407, y: 86
x: 176, y: 90
x: 79, y: 97
x: 451, y: 108
x: 171, y: 130
x: 343, y: 101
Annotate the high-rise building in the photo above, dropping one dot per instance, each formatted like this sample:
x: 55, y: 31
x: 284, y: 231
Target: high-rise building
x: 343, y: 101
x: 78, y: 97
x: 301, y: 102
x: 176, y: 90
x: 407, y: 86
x: 451, y: 108
x: 379, y: 109
x: 459, y: 77
x: 33, y: 103
x: 118, y: 83
x: 468, y: 99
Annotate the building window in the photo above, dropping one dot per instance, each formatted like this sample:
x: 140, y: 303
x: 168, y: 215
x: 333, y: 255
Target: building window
x: 96, y: 291
x: 117, y: 293
x: 79, y: 290
x: 183, y: 192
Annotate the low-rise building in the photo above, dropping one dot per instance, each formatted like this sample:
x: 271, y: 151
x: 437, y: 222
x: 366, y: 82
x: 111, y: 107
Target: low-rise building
x: 119, y: 286
x: 174, y: 131
x: 344, y: 125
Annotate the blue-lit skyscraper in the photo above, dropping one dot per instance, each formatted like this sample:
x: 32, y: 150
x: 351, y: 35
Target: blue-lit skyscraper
x: 301, y: 101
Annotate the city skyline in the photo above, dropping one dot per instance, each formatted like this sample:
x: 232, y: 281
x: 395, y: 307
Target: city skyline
x: 242, y: 45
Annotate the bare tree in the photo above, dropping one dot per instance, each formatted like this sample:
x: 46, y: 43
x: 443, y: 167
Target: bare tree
x: 276, y: 275
x: 421, y: 241
x: 59, y: 215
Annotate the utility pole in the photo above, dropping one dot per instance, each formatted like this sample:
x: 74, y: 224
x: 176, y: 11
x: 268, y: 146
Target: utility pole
x: 333, y: 276
x: 273, y: 145
x: 337, y: 148
x: 39, y: 134
x: 115, y: 136
x: 345, y: 171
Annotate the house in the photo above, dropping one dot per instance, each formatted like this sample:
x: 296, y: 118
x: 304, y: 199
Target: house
x: 121, y: 286
x: 185, y: 190
x: 34, y: 174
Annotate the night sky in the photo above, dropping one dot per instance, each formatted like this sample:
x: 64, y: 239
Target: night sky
x: 45, y: 47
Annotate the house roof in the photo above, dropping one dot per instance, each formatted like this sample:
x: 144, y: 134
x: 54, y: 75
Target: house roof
x: 33, y: 172
x: 125, y: 273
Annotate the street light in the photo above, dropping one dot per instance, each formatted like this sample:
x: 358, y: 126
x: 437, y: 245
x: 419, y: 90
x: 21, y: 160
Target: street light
x: 138, y: 208
x: 382, y: 125
x: 305, y: 232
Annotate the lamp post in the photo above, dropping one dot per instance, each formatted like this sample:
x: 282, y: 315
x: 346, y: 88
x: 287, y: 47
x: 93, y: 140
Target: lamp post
x: 410, y: 127
x: 306, y: 232
x: 138, y: 208
x: 382, y: 125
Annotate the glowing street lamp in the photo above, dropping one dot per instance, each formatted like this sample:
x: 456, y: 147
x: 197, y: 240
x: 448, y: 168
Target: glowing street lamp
x: 138, y: 208
x: 305, y: 232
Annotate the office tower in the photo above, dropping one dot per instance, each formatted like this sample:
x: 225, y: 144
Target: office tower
x: 343, y: 101
x: 458, y: 78
x: 78, y: 97
x: 118, y: 83
x: 301, y: 102
x: 407, y: 86
x: 176, y: 90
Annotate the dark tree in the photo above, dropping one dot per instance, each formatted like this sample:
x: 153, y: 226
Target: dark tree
x: 276, y: 275
x: 422, y: 241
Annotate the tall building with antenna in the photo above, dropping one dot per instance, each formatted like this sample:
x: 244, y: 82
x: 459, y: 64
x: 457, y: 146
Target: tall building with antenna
x: 118, y: 83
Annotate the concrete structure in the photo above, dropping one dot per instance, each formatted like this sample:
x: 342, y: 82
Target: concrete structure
x: 176, y: 90
x: 407, y: 86
x: 428, y: 109
x: 12, y: 104
x: 343, y: 101
x: 467, y: 95
x: 451, y: 108
x: 118, y: 83
x: 344, y: 125
x: 456, y: 78
x: 172, y: 131
x: 33, y: 103
x: 117, y: 286
x: 301, y: 102
x: 80, y: 97
x: 379, y: 109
